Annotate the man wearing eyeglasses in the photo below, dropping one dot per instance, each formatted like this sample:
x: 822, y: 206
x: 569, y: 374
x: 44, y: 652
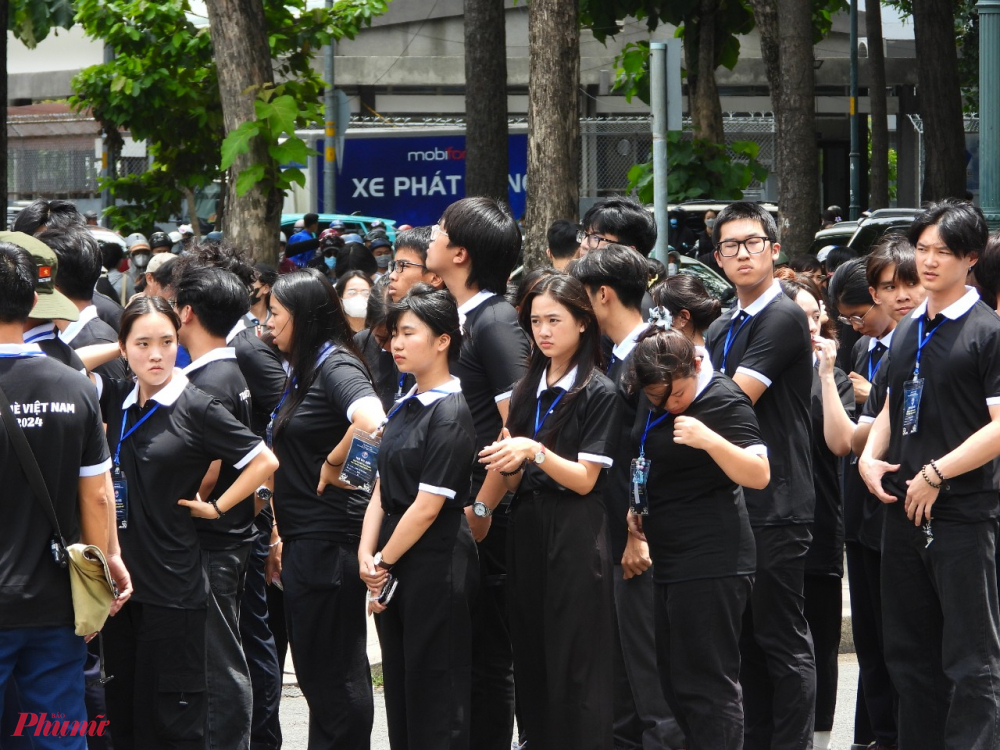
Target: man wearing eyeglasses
x: 765, y: 347
x: 409, y: 266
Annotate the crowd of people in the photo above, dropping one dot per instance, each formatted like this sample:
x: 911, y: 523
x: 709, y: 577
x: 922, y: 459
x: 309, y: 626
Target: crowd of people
x: 593, y: 500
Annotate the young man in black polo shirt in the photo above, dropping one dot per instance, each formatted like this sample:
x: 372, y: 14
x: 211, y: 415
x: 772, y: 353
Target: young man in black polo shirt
x: 765, y: 347
x: 615, y: 278
x: 473, y: 249
x: 938, y: 434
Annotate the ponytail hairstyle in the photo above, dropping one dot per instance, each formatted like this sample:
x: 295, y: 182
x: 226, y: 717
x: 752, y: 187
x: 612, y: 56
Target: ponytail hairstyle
x: 572, y: 295
x: 660, y: 357
x: 683, y: 291
x: 436, y: 309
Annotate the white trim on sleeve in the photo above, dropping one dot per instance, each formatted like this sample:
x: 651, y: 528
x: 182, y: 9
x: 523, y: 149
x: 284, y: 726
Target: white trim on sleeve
x: 98, y: 384
x: 993, y: 401
x: 505, y: 396
x: 757, y: 450
x: 373, y: 401
x: 96, y: 469
x: 250, y: 456
x: 865, y: 419
x: 442, y: 491
x: 594, y: 458
x: 753, y: 374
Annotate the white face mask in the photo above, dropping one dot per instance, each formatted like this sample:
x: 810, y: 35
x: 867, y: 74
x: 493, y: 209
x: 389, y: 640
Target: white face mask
x: 709, y: 223
x: 671, y: 269
x: 355, y: 307
x: 383, y: 261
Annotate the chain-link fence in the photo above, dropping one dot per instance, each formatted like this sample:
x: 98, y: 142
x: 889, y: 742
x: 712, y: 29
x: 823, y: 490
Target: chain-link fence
x: 971, y: 142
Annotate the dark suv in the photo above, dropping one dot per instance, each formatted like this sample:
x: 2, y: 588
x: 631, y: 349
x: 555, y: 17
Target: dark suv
x: 871, y: 231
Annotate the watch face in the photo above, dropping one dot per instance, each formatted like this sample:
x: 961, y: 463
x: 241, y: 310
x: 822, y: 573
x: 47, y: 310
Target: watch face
x: 480, y: 509
x: 264, y: 494
x: 540, y: 457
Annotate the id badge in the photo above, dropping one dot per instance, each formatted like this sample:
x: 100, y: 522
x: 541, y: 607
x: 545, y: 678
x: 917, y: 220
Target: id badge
x: 912, y: 391
x: 120, y: 485
x: 269, y: 435
x: 638, y: 500
x: 362, y: 459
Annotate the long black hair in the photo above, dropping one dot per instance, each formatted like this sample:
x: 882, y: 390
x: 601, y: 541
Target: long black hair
x: 436, y: 308
x: 572, y: 295
x: 317, y: 318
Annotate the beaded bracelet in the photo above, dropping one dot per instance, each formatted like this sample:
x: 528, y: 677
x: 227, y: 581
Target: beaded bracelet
x: 923, y: 473
x: 940, y: 475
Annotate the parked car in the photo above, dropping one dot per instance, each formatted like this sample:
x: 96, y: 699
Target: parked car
x: 871, y: 231
x: 839, y: 234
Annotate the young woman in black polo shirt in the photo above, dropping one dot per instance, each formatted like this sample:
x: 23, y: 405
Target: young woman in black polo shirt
x: 564, y: 415
x: 415, y: 527
x: 699, y: 434
x: 164, y: 433
x: 328, y: 396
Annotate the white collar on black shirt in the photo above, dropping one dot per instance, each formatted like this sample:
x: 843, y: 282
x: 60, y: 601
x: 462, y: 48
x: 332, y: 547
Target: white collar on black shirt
x: 475, y: 301
x: 42, y: 332
x: 884, y: 341
x: 762, y: 301
x: 955, y: 310
x: 435, y: 394
x: 166, y: 395
x: 17, y: 350
x: 622, y: 350
x: 222, y: 352
x: 240, y: 326
x: 87, y: 314
x: 565, y: 382
x: 706, y: 372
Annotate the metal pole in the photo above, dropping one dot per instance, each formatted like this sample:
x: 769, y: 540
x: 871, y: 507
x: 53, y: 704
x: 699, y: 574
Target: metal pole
x: 989, y: 111
x: 658, y: 105
x: 329, y: 150
x: 855, y: 205
x: 109, y: 154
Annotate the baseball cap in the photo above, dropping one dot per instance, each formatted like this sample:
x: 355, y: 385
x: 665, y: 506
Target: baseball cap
x: 336, y: 224
x: 348, y: 238
x: 158, y: 261
x: 379, y: 242
x: 90, y: 215
x: 52, y: 304
x: 136, y: 242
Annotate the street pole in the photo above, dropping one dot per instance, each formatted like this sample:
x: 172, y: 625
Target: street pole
x: 658, y: 105
x: 329, y: 150
x: 989, y: 111
x: 109, y: 153
x: 855, y: 205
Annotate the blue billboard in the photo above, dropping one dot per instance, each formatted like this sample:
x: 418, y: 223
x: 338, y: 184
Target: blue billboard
x: 412, y: 180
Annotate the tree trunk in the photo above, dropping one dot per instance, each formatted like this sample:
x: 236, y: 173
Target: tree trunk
x: 878, y: 195
x: 243, y: 60
x: 4, y: 18
x: 786, y: 32
x: 553, y: 122
x: 940, y: 99
x: 706, y: 108
x: 485, y: 99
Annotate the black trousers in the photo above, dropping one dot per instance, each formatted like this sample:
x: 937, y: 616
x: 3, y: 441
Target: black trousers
x: 158, y: 697
x: 698, y: 651
x: 778, y: 672
x: 824, y: 612
x: 864, y: 572
x: 426, y: 636
x: 559, y: 583
x: 327, y: 630
x: 259, y: 649
x: 939, y: 603
x: 492, y: 722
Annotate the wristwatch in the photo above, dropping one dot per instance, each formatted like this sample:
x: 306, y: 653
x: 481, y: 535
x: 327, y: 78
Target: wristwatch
x: 264, y: 494
x: 481, y: 509
x: 380, y: 563
x: 540, y: 456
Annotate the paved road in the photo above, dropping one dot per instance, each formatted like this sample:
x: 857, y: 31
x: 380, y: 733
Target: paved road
x: 295, y: 713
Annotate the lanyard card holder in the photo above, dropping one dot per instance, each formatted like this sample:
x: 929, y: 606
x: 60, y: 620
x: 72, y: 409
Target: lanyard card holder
x: 362, y: 459
x: 912, y: 391
x: 638, y: 499
x: 120, y: 484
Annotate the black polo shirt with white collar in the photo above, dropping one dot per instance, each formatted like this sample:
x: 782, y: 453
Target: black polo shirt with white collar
x: 108, y: 310
x: 164, y: 461
x: 494, y: 357
x: 587, y: 434
x: 772, y: 345
x: 89, y: 330
x: 428, y: 446
x: 58, y: 412
x: 218, y: 374
x: 960, y: 367
x: 44, y: 335
x: 697, y: 524
x: 315, y: 428
x: 261, y: 367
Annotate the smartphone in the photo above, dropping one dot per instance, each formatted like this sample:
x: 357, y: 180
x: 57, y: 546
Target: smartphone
x: 386, y: 594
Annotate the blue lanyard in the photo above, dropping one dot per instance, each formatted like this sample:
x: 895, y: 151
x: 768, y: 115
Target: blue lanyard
x: 399, y: 405
x: 731, y: 338
x: 645, y: 433
x: 284, y: 395
x: 873, y: 372
x: 539, y: 419
x: 399, y: 390
x: 611, y: 363
x: 124, y: 435
x: 922, y: 342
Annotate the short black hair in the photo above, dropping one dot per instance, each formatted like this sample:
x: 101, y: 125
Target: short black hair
x: 354, y: 256
x: 745, y: 211
x: 417, y: 239
x: 893, y: 250
x: 562, y: 238
x: 218, y: 255
x: 217, y: 297
x: 838, y: 256
x: 309, y: 219
x: 111, y: 253
x: 616, y: 266
x: 849, y: 285
x: 961, y: 225
x: 18, y: 274
x: 488, y: 232
x: 626, y: 219
x: 79, y: 261
x: 987, y: 271
x: 805, y: 263
x: 56, y: 214
x: 266, y: 273
x: 436, y: 308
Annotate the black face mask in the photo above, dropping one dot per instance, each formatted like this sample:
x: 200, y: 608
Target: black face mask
x: 254, y: 296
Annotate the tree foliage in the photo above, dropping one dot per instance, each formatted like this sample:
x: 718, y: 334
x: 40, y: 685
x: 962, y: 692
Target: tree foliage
x: 32, y: 20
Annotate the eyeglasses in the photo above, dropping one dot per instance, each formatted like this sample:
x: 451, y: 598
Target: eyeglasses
x: 402, y: 265
x: 731, y: 248
x: 357, y: 292
x: 855, y: 320
x: 593, y: 241
x: 437, y: 231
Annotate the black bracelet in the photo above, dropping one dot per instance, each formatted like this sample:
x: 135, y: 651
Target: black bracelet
x: 516, y: 471
x: 327, y: 461
x: 923, y: 473
x: 941, y: 476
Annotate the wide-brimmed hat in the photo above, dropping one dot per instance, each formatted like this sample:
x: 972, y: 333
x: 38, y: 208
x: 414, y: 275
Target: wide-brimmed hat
x: 52, y: 304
